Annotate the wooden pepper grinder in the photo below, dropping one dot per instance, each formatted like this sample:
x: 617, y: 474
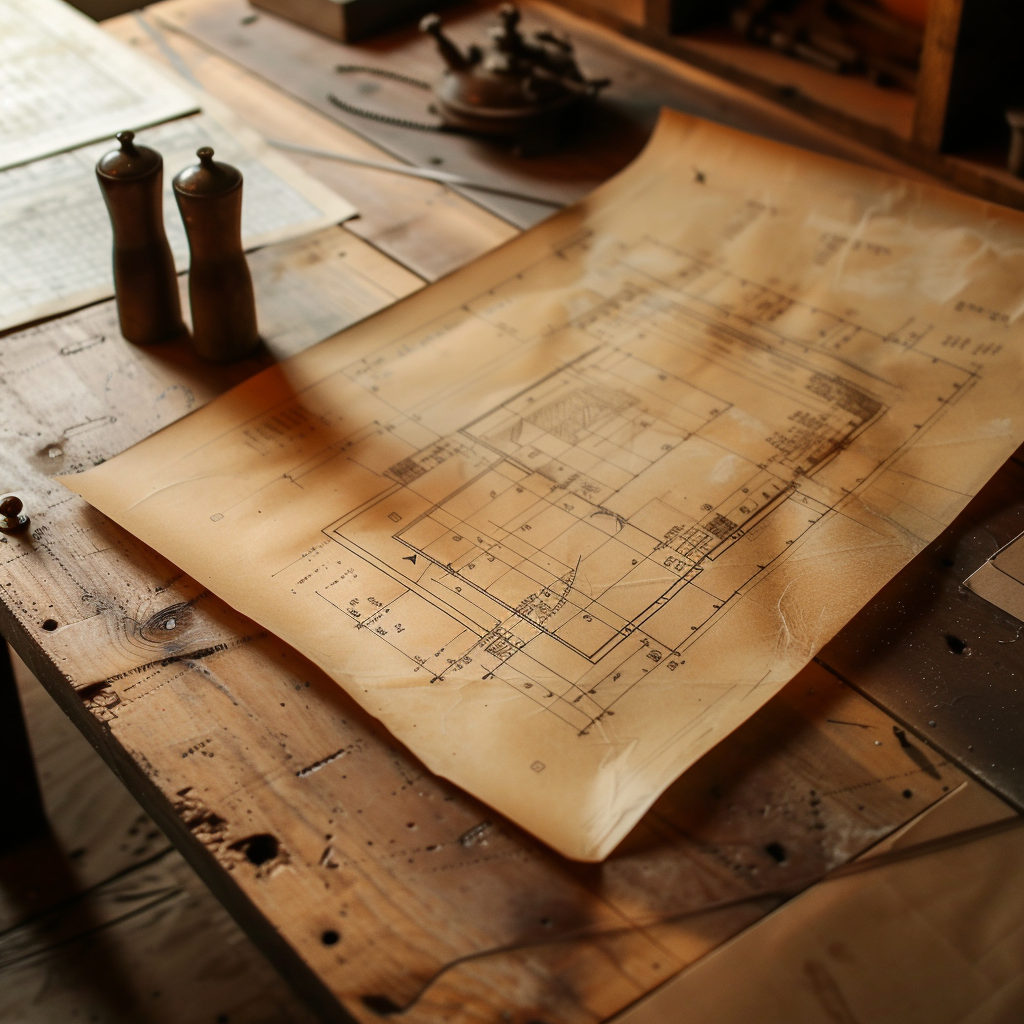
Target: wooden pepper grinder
x: 145, y: 283
x: 209, y: 197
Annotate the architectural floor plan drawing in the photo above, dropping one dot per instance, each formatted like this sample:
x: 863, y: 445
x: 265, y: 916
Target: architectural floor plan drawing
x: 566, y: 518
x: 586, y: 510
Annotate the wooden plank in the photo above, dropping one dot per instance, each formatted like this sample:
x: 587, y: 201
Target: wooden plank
x: 97, y: 830
x: 312, y: 287
x: 787, y: 85
x: 424, y: 226
x: 654, y: 14
x: 366, y: 879
x: 103, y: 920
x: 888, y: 109
x: 937, y: 58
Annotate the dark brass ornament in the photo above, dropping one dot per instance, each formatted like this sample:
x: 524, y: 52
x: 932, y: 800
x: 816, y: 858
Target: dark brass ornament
x: 515, y: 89
x: 12, y: 516
x: 145, y: 282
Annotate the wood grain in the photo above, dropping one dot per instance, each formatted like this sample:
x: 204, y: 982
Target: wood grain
x: 656, y: 15
x: 365, y: 878
x: 103, y: 920
x: 937, y: 58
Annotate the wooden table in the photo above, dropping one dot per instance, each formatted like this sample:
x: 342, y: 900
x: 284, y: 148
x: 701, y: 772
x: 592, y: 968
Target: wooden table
x: 376, y: 887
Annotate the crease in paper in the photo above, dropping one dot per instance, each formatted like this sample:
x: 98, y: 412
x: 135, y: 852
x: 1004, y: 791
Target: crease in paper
x: 498, y: 513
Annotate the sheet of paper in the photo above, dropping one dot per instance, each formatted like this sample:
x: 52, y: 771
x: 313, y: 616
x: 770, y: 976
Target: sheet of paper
x: 55, y: 238
x: 931, y: 938
x: 567, y: 517
x: 65, y: 82
x: 1001, y: 579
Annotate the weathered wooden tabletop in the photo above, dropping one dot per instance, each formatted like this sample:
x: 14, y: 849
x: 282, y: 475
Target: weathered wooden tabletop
x: 376, y: 887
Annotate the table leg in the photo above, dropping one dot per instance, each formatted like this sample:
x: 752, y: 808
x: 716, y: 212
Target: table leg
x: 25, y: 816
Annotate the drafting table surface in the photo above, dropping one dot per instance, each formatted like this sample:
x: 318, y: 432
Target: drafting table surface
x: 373, y: 885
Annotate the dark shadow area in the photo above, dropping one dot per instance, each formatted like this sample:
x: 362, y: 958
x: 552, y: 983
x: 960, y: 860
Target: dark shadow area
x: 942, y: 660
x: 100, y: 9
x: 25, y: 817
x: 58, y: 919
x: 47, y: 911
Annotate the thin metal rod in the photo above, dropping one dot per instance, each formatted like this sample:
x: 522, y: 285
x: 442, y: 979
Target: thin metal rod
x: 172, y: 55
x: 444, y: 177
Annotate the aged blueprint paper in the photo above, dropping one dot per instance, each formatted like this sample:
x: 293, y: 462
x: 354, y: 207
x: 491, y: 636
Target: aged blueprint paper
x: 64, y: 82
x: 566, y: 518
x: 55, y: 238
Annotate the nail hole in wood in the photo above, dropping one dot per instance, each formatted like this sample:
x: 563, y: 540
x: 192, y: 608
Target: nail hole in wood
x: 956, y: 645
x: 383, y: 1006
x: 259, y: 848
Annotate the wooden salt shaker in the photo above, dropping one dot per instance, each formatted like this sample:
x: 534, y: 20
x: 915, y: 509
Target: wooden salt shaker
x: 145, y: 283
x: 209, y: 197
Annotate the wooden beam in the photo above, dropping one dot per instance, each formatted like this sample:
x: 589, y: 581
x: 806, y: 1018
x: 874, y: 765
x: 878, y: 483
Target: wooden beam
x: 658, y: 15
x: 937, y: 59
x: 24, y: 813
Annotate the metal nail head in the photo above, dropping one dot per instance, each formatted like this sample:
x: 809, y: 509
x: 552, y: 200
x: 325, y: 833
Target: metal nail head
x: 12, y: 519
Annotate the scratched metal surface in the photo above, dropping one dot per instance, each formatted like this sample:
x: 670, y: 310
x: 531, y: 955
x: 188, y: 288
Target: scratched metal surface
x: 943, y: 660
x: 375, y: 886
x: 604, y: 140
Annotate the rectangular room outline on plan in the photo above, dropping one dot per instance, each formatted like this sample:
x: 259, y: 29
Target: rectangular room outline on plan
x: 596, y: 524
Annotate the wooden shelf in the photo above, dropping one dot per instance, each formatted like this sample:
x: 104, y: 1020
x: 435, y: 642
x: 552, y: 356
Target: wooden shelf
x: 891, y: 110
x: 915, y: 129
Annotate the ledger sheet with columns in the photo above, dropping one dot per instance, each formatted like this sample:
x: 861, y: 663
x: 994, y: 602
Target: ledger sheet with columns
x: 566, y: 518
